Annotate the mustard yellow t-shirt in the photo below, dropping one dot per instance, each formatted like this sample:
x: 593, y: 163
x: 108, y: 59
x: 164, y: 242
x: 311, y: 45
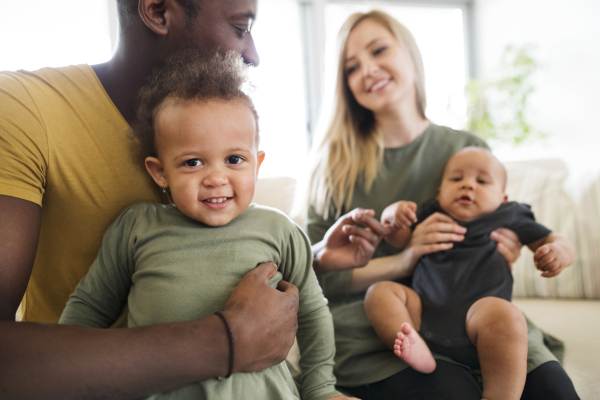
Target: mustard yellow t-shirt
x: 65, y: 146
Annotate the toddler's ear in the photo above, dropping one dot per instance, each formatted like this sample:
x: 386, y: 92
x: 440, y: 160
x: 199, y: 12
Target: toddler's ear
x: 505, y: 198
x: 156, y: 171
x: 260, y: 157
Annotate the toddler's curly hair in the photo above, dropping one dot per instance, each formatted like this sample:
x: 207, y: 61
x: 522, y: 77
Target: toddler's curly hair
x: 185, y: 77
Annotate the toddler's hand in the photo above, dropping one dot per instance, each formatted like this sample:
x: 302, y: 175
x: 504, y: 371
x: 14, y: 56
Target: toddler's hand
x: 399, y: 215
x: 551, y: 259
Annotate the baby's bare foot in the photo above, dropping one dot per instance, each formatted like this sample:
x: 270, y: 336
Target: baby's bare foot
x: 411, y: 348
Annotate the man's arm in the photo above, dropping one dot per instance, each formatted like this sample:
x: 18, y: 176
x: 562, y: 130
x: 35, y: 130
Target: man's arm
x: 59, y: 361
x: 19, y: 234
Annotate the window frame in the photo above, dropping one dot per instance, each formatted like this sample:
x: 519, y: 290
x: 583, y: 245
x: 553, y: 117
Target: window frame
x: 312, y: 22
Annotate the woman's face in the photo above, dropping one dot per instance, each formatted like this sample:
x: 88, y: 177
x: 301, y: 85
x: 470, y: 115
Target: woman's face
x: 379, y: 70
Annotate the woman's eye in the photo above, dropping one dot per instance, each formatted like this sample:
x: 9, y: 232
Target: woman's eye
x: 380, y: 50
x: 194, y: 162
x: 234, y: 159
x: 351, y: 69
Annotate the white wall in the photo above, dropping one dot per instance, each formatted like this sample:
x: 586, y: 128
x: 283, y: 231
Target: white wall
x: 566, y: 103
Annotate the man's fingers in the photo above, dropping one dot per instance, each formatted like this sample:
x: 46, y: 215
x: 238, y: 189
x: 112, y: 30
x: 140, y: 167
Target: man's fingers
x: 368, y: 221
x: 364, y: 250
x: 365, y: 233
x: 288, y: 288
x: 265, y: 270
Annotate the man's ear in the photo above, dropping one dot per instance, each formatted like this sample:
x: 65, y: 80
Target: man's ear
x: 260, y: 157
x: 156, y: 171
x: 158, y: 14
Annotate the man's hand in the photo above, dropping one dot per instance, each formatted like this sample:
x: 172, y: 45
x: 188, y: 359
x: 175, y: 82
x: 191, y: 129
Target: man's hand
x: 349, y: 243
x: 263, y: 320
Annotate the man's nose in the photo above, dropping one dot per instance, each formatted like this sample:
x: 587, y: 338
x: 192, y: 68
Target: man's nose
x: 250, y: 55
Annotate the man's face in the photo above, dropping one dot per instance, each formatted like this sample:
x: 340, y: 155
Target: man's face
x: 222, y: 25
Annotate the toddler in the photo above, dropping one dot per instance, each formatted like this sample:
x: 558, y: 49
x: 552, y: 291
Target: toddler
x: 181, y: 261
x: 460, y: 298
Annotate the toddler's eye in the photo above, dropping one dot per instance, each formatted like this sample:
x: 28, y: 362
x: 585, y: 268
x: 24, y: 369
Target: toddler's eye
x: 234, y: 159
x: 194, y: 162
x: 481, y: 182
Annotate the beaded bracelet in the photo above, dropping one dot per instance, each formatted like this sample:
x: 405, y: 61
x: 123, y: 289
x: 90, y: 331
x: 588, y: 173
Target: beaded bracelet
x: 231, y: 344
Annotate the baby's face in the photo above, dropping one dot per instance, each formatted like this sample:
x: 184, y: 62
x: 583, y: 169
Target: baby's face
x: 209, y: 154
x: 472, y: 185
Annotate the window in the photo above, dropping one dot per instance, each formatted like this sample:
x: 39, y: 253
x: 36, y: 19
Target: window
x: 40, y: 33
x: 438, y: 28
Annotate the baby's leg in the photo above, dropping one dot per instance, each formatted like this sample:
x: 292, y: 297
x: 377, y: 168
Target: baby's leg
x: 394, y: 310
x: 498, y: 330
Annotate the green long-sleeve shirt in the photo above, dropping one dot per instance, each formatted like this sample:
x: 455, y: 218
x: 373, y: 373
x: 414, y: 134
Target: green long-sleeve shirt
x: 168, y: 268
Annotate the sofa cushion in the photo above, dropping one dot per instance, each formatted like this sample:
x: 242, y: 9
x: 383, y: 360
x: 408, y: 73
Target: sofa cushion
x: 541, y: 185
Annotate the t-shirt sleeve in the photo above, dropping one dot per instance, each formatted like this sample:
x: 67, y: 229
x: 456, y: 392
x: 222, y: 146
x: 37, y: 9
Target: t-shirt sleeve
x: 101, y: 294
x: 315, y: 324
x: 524, y: 225
x: 23, y: 143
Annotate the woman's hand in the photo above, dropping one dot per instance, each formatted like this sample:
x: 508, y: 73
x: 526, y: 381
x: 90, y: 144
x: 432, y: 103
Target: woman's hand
x: 508, y: 244
x: 349, y: 243
x: 436, y: 233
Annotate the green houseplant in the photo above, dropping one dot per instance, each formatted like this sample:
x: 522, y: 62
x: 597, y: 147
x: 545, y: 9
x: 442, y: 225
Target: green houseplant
x: 498, y: 107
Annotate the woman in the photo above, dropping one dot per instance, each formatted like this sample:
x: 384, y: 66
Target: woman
x: 380, y: 148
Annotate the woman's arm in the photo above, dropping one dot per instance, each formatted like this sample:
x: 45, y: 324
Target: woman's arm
x: 435, y: 233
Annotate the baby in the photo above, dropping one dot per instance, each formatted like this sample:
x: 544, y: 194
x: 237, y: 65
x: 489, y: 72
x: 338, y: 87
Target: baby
x: 181, y: 261
x: 460, y: 298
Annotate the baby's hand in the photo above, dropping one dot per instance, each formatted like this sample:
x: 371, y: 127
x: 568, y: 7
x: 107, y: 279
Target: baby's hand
x: 551, y: 259
x: 398, y: 215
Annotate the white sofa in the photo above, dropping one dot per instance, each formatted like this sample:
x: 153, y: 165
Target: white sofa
x: 567, y: 306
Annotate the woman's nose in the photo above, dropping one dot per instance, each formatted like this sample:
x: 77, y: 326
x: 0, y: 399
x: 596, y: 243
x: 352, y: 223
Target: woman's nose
x: 370, y: 68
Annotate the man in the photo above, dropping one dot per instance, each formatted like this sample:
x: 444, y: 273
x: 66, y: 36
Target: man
x: 65, y: 142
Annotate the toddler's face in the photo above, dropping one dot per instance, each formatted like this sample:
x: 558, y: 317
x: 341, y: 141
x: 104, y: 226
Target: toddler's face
x: 472, y: 185
x: 208, y: 152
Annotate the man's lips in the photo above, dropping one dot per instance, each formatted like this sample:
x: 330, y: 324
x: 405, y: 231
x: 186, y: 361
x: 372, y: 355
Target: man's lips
x: 217, y: 203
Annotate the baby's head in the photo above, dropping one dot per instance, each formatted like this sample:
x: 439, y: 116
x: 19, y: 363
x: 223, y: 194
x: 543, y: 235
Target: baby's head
x: 200, y: 134
x: 472, y: 185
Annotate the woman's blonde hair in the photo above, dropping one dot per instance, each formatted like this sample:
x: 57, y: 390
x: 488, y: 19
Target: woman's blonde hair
x: 351, y: 145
